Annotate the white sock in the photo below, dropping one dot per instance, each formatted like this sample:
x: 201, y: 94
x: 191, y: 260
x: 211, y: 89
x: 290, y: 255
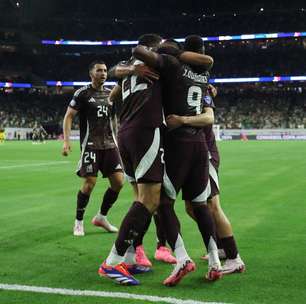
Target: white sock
x: 180, y: 251
x: 100, y: 216
x: 213, y: 256
x: 114, y: 258
x: 129, y: 257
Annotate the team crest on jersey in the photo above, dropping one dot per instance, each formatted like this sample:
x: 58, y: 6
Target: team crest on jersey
x: 208, y: 99
x: 89, y: 169
x: 91, y: 100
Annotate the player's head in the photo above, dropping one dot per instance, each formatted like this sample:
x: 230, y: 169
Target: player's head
x: 194, y: 43
x: 150, y: 40
x: 170, y: 47
x: 171, y: 43
x: 98, y: 71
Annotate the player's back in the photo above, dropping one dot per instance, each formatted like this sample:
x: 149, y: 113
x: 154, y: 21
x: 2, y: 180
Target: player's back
x: 183, y: 92
x: 141, y: 103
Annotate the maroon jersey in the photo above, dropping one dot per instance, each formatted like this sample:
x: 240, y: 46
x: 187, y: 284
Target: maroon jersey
x: 208, y: 130
x: 141, y: 102
x: 183, y: 91
x: 94, y: 112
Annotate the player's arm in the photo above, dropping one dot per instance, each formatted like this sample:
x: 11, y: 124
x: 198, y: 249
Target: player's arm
x: 115, y: 94
x: 146, y: 55
x: 200, y: 120
x: 152, y: 59
x: 197, y: 59
x: 123, y: 70
x: 212, y: 90
x: 70, y: 113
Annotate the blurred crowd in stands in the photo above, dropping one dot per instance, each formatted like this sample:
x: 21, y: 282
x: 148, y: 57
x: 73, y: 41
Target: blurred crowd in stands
x: 237, y: 107
x: 261, y: 107
x: 24, y: 59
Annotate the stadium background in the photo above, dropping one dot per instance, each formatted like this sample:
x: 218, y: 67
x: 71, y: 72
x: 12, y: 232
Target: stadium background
x: 263, y: 182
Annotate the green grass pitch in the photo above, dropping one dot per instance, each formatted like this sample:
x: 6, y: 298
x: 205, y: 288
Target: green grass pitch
x: 263, y: 193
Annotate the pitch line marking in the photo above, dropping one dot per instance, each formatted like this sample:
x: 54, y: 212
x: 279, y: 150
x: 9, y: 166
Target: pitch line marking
x: 102, y: 294
x: 35, y: 165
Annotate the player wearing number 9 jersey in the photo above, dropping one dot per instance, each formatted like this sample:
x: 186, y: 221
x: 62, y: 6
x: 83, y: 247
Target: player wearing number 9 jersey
x: 186, y: 155
x: 98, y: 148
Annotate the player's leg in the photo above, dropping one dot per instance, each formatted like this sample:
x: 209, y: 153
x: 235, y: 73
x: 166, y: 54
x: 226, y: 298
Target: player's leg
x: 224, y: 228
x: 184, y: 263
x: 132, y: 226
x: 137, y: 253
x: 109, y: 163
x: 197, y: 192
x: 162, y: 253
x: 109, y: 198
x: 189, y: 211
x: 144, y: 164
x: 233, y: 261
x: 82, y: 202
x: 88, y: 170
x: 177, y: 159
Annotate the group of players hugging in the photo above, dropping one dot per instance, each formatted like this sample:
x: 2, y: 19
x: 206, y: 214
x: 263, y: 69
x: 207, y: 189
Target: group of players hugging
x: 164, y: 144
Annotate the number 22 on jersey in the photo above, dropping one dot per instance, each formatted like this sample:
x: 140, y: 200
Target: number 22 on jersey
x: 133, y: 86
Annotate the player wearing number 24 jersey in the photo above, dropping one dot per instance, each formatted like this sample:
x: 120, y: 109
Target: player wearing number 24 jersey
x: 98, y: 148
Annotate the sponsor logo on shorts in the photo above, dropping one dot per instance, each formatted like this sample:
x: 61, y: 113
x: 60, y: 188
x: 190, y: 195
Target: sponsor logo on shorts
x: 89, y: 169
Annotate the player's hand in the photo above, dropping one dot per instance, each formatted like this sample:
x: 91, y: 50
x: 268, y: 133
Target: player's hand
x: 66, y: 148
x: 174, y: 121
x: 212, y: 91
x: 145, y: 72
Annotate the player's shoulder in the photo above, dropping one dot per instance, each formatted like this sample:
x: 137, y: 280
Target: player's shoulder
x: 107, y: 90
x: 81, y: 90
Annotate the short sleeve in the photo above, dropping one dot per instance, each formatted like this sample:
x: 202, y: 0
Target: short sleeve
x: 76, y: 101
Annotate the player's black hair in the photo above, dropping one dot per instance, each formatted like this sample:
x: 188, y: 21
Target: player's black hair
x: 92, y: 64
x: 150, y: 40
x: 194, y: 43
x: 174, y: 43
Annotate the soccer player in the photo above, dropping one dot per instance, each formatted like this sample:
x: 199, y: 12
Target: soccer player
x: 2, y: 135
x: 35, y: 134
x: 42, y: 134
x: 186, y: 156
x: 98, y: 149
x: 233, y: 261
x: 162, y: 253
x: 140, y: 137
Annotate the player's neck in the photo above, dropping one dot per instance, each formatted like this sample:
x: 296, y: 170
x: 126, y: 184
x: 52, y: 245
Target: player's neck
x: 97, y: 85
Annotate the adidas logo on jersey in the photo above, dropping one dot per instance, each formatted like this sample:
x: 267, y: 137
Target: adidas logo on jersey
x: 91, y: 100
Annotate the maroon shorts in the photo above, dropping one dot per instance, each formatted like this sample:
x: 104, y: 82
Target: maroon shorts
x: 106, y: 161
x: 141, y: 152
x: 184, y: 170
x: 214, y: 161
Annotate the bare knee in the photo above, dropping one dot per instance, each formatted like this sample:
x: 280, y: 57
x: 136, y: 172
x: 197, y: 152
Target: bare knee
x: 149, y: 195
x: 116, y: 181
x: 88, y: 185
